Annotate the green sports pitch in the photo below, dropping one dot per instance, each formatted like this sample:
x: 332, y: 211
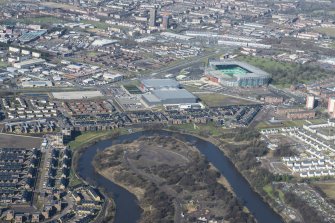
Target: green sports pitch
x: 232, y: 70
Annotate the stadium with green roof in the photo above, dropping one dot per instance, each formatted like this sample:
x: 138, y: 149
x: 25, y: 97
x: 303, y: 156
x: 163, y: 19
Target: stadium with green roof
x: 236, y: 74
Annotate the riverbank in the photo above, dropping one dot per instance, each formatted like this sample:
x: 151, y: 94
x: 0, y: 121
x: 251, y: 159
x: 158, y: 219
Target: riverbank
x: 205, y: 147
x: 78, y: 146
x: 87, y: 139
x: 168, y: 167
x: 224, y: 145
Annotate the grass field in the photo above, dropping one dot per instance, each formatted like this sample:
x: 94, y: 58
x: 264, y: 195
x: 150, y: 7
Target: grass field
x: 326, y: 30
x: 99, y: 25
x: 3, y: 64
x: 266, y: 63
x: 317, y: 121
x: 88, y: 137
x: 215, y: 99
x: 288, y: 123
x: 16, y: 141
x: 43, y: 20
x: 327, y: 187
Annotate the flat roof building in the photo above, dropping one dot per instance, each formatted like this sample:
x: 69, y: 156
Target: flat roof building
x: 36, y: 84
x: 28, y: 63
x: 31, y: 36
x: 170, y: 96
x: 156, y: 84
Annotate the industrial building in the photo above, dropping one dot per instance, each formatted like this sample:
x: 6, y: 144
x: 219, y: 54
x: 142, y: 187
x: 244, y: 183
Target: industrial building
x: 165, y: 91
x: 331, y: 107
x: 29, y: 63
x: 152, y: 19
x: 236, y: 74
x: 156, y: 84
x: 36, y: 84
x: 168, y: 96
x: 310, y: 102
x: 31, y: 36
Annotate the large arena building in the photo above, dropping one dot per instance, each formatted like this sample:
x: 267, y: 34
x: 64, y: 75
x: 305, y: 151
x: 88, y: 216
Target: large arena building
x: 236, y: 74
x: 165, y: 92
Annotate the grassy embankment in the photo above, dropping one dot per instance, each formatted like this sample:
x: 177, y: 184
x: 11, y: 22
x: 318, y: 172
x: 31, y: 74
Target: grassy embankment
x: 326, y: 187
x: 286, y: 73
x: 83, y: 140
x: 42, y: 20
x: 272, y: 193
x: 217, y: 99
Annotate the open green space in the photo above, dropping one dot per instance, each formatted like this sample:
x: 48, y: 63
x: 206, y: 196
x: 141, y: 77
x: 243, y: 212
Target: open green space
x: 88, y: 137
x: 285, y: 74
x: 324, y: 12
x: 42, y: 20
x: 216, y: 99
x: 3, y: 64
x: 98, y: 24
x: 79, y: 142
x: 3, y: 1
x: 274, y: 193
x: 286, y: 123
x: 19, y: 141
x: 329, y: 31
x: 317, y: 121
x: 200, y: 129
x: 192, y: 88
x: 92, y: 53
x: 327, y: 187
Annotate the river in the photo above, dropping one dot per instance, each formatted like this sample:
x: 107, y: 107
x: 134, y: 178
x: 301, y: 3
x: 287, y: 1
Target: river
x: 127, y: 208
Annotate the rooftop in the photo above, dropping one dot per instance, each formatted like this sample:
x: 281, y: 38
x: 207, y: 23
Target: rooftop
x: 160, y: 83
x: 171, y: 94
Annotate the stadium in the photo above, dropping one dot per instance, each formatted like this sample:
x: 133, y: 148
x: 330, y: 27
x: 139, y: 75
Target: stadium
x: 236, y: 74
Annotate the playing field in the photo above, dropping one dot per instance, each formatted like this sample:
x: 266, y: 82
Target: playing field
x: 132, y: 89
x: 232, y: 70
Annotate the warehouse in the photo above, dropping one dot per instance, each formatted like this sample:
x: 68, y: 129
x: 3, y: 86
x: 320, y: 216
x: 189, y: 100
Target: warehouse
x: 31, y: 36
x: 156, y: 84
x: 29, y: 63
x: 170, y: 96
x: 236, y: 74
x: 36, y: 84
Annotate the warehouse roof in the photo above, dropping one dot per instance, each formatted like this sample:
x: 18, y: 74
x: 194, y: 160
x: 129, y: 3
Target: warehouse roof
x: 151, y: 98
x: 172, y: 94
x: 160, y: 83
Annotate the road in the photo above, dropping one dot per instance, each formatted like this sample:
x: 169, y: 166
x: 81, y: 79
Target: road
x: 285, y: 93
x: 67, y: 209
x: 184, y: 63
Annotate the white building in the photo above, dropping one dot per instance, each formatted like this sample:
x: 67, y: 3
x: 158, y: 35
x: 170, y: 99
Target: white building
x: 310, y: 102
